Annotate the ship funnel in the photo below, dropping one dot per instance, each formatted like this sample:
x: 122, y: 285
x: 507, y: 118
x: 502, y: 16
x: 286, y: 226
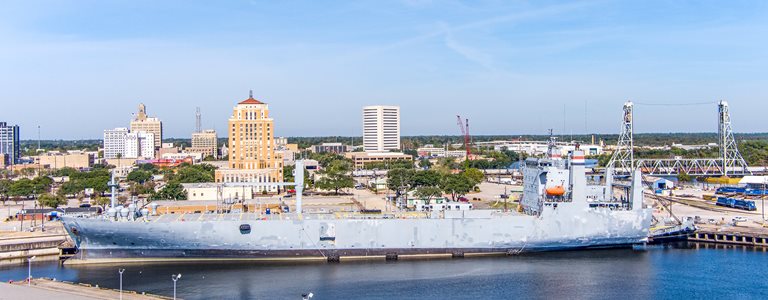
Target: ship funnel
x: 636, y: 196
x: 578, y: 178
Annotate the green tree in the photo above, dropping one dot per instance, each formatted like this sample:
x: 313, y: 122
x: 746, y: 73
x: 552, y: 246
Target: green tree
x: 51, y: 200
x: 336, y: 176
x: 21, y: 188
x: 102, y: 201
x: 474, y: 175
x: 426, y: 178
x: 401, y: 181
x: 683, y: 177
x: 428, y: 192
x: 424, y: 163
x: 5, y: 186
x: 171, y: 191
x: 456, y: 184
x: 139, y: 176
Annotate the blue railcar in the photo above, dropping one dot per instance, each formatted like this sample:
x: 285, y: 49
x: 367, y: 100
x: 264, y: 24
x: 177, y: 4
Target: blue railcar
x: 730, y: 189
x: 736, y: 203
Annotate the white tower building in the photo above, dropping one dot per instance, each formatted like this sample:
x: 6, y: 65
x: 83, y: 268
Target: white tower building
x: 381, y: 128
x: 114, y: 142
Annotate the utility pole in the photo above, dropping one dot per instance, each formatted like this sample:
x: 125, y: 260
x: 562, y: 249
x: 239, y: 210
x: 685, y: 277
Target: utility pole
x: 121, y: 282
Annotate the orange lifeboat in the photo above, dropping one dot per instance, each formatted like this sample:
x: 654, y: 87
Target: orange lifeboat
x: 556, y: 191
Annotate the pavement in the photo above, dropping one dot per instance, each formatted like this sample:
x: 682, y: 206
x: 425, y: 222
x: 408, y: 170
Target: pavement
x: 45, y: 289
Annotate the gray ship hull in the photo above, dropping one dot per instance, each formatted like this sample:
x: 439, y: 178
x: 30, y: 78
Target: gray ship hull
x: 317, y: 237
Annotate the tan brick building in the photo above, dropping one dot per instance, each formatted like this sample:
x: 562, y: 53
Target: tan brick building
x: 205, y: 143
x: 252, y: 156
x: 142, y: 122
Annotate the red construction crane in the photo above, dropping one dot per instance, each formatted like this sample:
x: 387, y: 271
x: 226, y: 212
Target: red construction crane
x: 464, y: 126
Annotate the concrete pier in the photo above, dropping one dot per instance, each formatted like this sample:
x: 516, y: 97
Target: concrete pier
x: 49, y: 289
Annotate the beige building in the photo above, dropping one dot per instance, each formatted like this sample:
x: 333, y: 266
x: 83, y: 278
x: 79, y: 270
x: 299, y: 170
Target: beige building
x: 252, y: 156
x: 205, y: 143
x: 209, y: 191
x: 142, y: 122
x: 363, y: 158
x: 58, y: 160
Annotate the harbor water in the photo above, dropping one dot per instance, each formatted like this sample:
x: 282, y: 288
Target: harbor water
x: 654, y: 272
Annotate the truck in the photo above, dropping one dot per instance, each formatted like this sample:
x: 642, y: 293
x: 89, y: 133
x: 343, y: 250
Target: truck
x: 736, y: 203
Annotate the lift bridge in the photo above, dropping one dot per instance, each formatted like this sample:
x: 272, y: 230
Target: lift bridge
x: 730, y: 162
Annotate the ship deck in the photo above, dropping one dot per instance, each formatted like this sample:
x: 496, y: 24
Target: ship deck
x: 202, y: 217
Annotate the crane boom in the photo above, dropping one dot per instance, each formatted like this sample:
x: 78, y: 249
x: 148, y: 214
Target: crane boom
x: 464, y: 126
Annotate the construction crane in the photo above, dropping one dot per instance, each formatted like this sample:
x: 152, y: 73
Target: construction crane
x: 464, y: 126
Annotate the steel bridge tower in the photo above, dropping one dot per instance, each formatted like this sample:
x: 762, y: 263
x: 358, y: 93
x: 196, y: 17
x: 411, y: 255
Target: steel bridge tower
x: 623, y: 158
x: 732, y: 161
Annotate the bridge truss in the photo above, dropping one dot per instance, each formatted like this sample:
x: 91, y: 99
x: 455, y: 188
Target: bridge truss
x: 730, y: 162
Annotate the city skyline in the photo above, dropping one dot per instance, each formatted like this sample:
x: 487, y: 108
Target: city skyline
x: 511, y: 68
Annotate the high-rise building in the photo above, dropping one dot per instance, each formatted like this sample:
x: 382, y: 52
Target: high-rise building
x: 139, y: 144
x: 9, y: 143
x: 114, y: 142
x: 205, y: 143
x: 252, y: 156
x: 381, y: 128
x: 142, y: 122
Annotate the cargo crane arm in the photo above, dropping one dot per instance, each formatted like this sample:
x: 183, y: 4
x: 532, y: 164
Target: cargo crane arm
x: 464, y: 126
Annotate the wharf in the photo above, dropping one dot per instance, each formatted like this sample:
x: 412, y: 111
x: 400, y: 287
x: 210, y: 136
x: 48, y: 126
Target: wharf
x: 745, y: 236
x: 50, y: 289
x: 15, y: 247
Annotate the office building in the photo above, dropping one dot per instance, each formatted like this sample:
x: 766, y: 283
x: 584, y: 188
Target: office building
x: 9, y: 143
x: 337, y: 148
x: 252, y: 156
x: 139, y: 144
x: 361, y: 159
x: 381, y: 128
x: 142, y: 122
x: 114, y: 142
x: 205, y: 143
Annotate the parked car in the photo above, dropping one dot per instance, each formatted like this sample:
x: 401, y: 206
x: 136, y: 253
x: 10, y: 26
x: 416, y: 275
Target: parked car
x: 739, y: 219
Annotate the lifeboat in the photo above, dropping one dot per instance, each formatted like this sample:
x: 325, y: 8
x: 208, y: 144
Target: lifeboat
x: 556, y: 191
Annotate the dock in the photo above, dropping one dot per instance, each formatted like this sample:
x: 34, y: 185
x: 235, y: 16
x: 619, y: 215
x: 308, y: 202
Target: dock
x: 44, y: 288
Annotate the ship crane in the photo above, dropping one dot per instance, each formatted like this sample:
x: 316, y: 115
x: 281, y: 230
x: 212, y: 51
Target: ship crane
x: 464, y: 126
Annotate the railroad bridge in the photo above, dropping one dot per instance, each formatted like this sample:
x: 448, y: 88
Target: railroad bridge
x: 730, y: 162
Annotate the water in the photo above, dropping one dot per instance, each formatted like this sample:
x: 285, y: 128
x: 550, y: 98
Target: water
x: 653, y: 273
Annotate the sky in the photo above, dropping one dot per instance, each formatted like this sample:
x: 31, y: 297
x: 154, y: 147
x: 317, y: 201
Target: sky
x: 75, y: 68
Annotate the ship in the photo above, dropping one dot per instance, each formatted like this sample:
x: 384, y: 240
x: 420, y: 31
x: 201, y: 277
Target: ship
x: 558, y: 210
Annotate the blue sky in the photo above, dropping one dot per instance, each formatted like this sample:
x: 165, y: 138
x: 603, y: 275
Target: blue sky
x: 512, y: 67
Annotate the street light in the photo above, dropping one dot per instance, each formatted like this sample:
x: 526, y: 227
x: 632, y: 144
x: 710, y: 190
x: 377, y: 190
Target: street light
x: 121, y: 282
x: 175, y: 278
x: 29, y: 277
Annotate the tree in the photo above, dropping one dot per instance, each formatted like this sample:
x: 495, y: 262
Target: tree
x: 474, y: 175
x: 426, y: 178
x: 51, y: 200
x: 21, y: 188
x: 171, y: 191
x: 425, y: 163
x: 102, y: 201
x: 683, y: 177
x: 139, y: 176
x: 5, y: 186
x: 401, y: 181
x: 428, y: 192
x: 456, y: 184
x: 336, y: 176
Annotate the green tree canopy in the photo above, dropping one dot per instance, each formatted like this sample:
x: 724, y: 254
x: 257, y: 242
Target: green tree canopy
x: 171, y: 191
x: 139, y: 176
x: 456, y: 184
x: 335, y: 176
x: 428, y: 192
x: 51, y: 200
